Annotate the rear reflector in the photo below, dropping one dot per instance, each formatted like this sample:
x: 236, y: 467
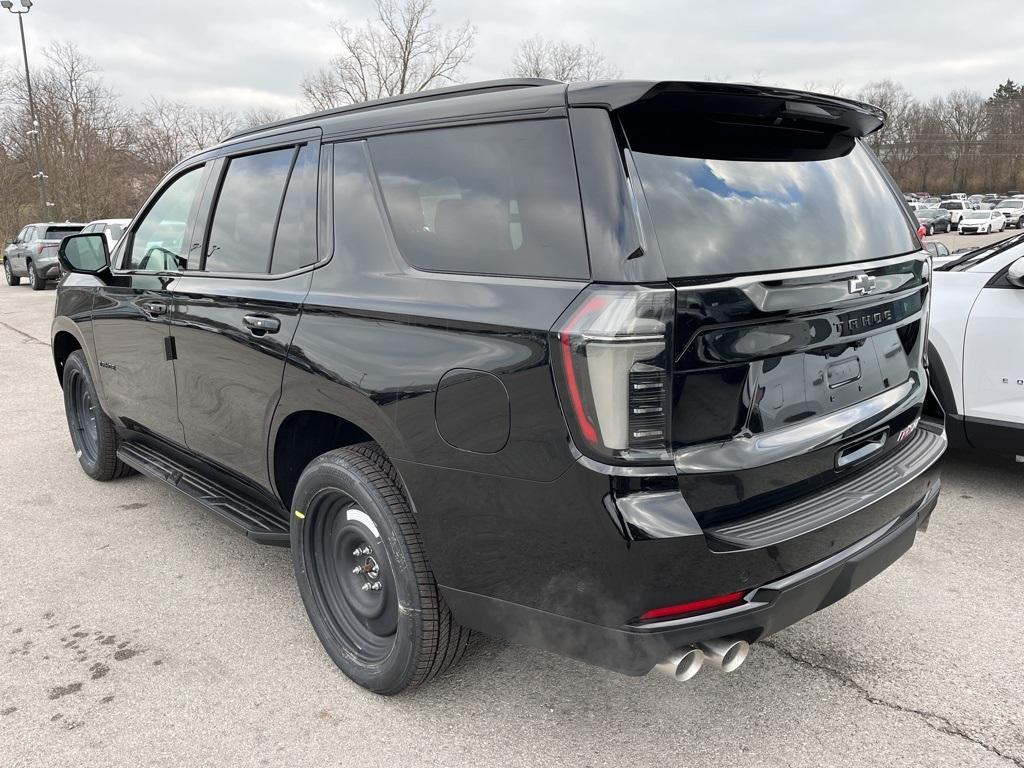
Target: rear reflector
x: 721, y: 601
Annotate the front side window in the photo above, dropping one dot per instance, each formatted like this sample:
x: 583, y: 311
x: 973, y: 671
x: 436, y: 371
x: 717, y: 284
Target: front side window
x: 245, y: 215
x: 158, y: 242
x: 498, y: 199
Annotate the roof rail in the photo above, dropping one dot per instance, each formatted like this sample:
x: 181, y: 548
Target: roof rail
x: 466, y: 89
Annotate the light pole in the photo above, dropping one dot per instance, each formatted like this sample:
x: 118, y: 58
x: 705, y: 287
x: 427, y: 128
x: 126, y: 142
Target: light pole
x: 26, y: 6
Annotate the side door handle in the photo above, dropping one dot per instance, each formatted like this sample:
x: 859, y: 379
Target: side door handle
x: 154, y: 307
x: 260, y: 325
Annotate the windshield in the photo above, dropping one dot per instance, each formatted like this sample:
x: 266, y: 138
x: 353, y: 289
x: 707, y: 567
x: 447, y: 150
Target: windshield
x: 965, y: 261
x: 976, y: 215
x: 717, y: 217
x: 1012, y: 204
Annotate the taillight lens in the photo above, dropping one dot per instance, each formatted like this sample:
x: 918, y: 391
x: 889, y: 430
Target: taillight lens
x: 613, y: 352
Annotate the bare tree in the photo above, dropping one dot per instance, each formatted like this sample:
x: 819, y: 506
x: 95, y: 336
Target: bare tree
x: 539, y: 57
x: 401, y: 51
x: 86, y: 135
x: 965, y: 118
x: 894, y: 144
x: 168, y: 131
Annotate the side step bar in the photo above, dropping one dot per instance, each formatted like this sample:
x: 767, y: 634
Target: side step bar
x: 258, y: 523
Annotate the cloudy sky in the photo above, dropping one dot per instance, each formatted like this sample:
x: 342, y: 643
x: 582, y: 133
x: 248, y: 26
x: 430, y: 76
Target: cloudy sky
x: 243, y: 53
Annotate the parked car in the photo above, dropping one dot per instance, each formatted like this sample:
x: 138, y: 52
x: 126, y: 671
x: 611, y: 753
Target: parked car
x: 1013, y: 211
x: 393, y: 341
x: 940, y: 253
x: 933, y: 220
x: 956, y: 209
x: 33, y: 253
x: 932, y: 202
x: 977, y: 375
x: 112, y: 229
x: 981, y: 222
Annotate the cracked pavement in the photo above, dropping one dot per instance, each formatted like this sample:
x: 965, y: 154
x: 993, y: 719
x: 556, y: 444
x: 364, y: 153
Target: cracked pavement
x: 137, y: 630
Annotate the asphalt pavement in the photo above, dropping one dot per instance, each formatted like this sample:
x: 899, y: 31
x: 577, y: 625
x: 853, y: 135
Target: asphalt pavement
x: 137, y: 630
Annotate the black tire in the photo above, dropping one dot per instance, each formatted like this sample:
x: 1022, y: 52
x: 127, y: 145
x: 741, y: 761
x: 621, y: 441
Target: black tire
x: 12, y: 279
x: 35, y: 281
x: 92, y: 432
x: 350, y: 511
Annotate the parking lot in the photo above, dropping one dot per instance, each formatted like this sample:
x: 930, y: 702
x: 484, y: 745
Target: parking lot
x: 954, y: 240
x: 135, y: 629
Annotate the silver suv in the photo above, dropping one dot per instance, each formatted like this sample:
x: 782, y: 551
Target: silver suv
x: 33, y: 253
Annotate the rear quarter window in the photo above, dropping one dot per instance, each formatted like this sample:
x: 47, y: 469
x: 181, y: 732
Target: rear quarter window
x: 498, y: 199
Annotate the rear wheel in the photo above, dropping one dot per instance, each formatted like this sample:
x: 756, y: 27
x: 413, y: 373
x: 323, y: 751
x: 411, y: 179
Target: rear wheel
x: 92, y: 431
x: 36, y: 281
x: 12, y: 279
x: 931, y: 229
x: 363, y: 574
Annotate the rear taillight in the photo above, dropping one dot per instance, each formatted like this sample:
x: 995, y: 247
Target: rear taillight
x: 613, y: 353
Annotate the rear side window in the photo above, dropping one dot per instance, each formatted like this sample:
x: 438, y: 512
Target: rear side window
x: 295, y: 243
x: 498, y: 199
x: 250, y: 196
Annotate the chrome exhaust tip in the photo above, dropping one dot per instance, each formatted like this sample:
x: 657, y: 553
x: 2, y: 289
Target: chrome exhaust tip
x: 683, y: 664
x: 724, y: 653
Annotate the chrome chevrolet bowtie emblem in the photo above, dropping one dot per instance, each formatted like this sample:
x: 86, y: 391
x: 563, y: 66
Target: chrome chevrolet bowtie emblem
x: 862, y: 284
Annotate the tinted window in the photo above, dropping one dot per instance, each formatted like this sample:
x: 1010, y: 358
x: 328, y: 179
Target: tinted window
x: 295, y: 244
x: 718, y: 217
x: 495, y: 199
x: 59, y: 233
x: 115, y: 231
x: 360, y: 234
x: 246, y: 212
x: 158, y: 242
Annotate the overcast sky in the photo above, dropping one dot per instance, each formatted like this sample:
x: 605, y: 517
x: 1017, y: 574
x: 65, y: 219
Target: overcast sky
x: 243, y: 53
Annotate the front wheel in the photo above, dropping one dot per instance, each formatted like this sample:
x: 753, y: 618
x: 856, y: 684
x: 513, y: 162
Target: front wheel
x: 9, y: 276
x: 364, y: 576
x: 35, y: 281
x: 92, y: 431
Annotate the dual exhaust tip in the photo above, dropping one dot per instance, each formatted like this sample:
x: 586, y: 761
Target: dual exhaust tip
x: 723, y: 653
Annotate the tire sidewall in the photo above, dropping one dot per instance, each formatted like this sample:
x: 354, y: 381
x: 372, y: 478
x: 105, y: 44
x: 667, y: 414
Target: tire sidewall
x: 76, y: 363
x: 35, y: 281
x: 333, y: 473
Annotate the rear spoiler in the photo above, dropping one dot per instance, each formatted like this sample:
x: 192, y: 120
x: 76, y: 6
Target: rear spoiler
x: 731, y: 102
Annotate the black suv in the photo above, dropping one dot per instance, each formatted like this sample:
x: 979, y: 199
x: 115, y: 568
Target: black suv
x: 603, y: 368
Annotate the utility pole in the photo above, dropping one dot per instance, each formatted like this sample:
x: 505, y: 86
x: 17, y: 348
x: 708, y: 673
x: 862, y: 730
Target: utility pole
x: 40, y: 175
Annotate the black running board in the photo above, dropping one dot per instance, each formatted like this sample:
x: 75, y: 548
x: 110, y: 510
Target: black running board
x: 257, y: 522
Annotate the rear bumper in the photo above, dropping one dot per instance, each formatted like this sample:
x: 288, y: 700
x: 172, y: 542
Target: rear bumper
x: 634, y: 650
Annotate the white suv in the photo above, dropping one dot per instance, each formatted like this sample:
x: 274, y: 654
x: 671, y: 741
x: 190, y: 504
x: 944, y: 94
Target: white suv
x: 975, y: 371
x: 1013, y: 210
x: 956, y: 209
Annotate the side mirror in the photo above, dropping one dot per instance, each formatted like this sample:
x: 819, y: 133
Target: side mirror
x: 85, y: 254
x: 1015, y: 274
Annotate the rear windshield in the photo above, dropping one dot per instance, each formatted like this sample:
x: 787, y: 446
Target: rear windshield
x: 721, y: 217
x: 59, y: 233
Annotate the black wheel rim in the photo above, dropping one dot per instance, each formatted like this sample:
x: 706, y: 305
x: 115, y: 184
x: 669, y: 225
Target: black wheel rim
x: 82, y: 416
x: 351, y: 577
